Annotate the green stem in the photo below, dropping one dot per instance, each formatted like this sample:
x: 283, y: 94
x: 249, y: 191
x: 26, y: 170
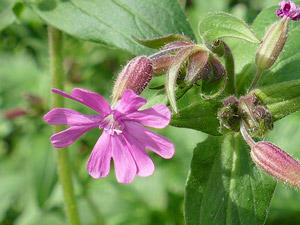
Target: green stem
x: 256, y: 79
x: 57, y: 81
x: 229, y: 66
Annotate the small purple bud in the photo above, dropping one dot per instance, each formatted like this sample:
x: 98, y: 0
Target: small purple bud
x: 276, y: 162
x: 197, y: 67
x: 288, y: 10
x: 135, y: 76
x: 219, y: 70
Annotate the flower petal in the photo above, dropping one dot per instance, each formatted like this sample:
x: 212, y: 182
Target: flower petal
x: 88, y: 98
x: 157, y: 116
x: 68, y: 136
x: 96, y: 101
x: 150, y: 140
x: 130, y: 102
x: 98, y: 165
x: 69, y: 117
x: 125, y: 167
x: 143, y: 161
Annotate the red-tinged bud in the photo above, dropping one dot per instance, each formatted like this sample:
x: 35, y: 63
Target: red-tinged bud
x: 135, y: 76
x: 218, y: 70
x: 276, y: 162
x: 197, y: 68
x: 161, y: 65
x: 14, y: 113
x: 176, y: 44
x: 272, y: 44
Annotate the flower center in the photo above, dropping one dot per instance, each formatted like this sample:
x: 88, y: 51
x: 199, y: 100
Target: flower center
x: 112, y: 126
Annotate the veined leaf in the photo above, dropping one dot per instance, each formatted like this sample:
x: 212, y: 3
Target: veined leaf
x: 224, y: 186
x: 219, y: 25
x: 114, y: 22
x: 9, y: 12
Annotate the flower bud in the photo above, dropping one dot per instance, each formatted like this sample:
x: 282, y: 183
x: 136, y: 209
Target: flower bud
x: 135, y: 76
x: 197, y: 67
x: 272, y: 44
x: 217, y: 70
x: 161, y: 65
x: 276, y: 162
x: 255, y: 115
x: 11, y: 114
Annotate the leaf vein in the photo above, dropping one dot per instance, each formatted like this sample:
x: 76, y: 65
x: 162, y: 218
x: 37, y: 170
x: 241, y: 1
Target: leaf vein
x: 102, y: 22
x: 137, y: 16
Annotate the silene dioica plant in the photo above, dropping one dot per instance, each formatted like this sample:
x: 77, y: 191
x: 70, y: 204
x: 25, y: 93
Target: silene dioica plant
x: 232, y: 85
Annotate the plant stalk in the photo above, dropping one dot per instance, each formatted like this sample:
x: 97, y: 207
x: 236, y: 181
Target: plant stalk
x: 256, y: 79
x: 246, y: 136
x: 63, y: 163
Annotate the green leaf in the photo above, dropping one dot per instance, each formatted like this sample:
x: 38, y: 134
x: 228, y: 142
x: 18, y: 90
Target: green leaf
x: 281, y: 99
x: 12, y: 187
x: 9, y: 12
x: 114, y: 22
x: 198, y: 115
x: 220, y: 25
x: 286, y: 67
x: 224, y: 186
x: 44, y: 170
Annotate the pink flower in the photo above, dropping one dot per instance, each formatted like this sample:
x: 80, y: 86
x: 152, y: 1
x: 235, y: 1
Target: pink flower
x: 289, y: 10
x: 123, y: 138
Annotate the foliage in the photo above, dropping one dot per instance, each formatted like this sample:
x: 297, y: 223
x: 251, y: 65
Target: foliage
x: 223, y: 185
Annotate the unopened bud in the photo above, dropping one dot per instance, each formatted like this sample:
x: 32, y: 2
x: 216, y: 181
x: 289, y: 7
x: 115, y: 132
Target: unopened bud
x: 272, y: 44
x: 217, y: 70
x: 161, y: 65
x: 14, y: 113
x: 197, y: 68
x: 135, y: 76
x: 276, y: 162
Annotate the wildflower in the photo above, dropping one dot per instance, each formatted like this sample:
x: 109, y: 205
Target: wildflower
x: 288, y: 10
x: 123, y: 138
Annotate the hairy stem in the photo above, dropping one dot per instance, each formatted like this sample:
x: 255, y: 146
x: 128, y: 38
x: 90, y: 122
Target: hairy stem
x: 246, y: 136
x: 63, y: 164
x: 256, y: 79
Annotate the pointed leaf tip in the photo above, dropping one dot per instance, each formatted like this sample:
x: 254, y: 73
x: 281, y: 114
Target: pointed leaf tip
x: 220, y: 25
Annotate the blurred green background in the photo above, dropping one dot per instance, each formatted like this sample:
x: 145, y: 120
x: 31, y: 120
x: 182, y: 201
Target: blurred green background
x: 29, y: 191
